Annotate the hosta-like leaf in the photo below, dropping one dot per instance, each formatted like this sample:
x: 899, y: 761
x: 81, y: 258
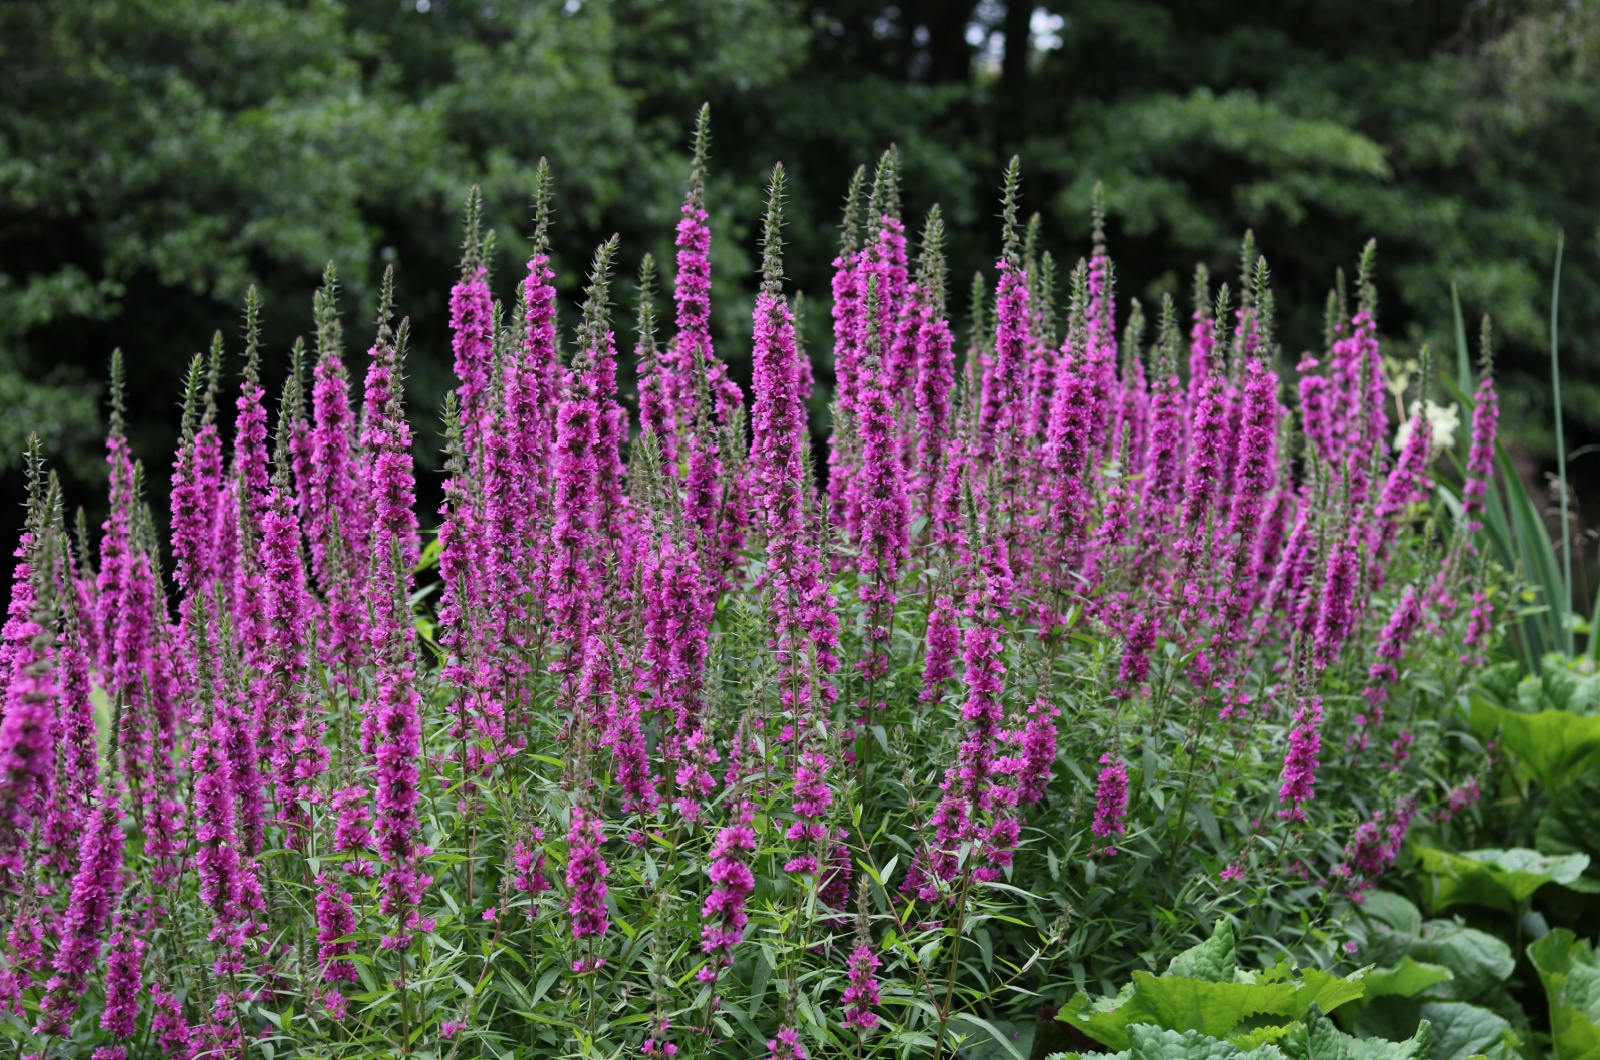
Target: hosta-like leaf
x: 1461, y: 1031
x: 1570, y: 970
x: 1571, y: 823
x: 1407, y: 979
x: 1476, y: 959
x: 1494, y: 879
x: 1552, y: 746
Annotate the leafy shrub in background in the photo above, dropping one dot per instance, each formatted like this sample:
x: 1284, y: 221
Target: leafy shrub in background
x: 1084, y: 643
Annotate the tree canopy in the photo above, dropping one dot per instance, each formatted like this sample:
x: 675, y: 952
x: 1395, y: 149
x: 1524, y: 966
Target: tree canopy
x: 157, y: 157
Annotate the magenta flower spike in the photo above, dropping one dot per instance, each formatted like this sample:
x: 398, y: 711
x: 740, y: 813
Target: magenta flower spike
x: 1001, y: 404
x: 521, y: 511
x: 572, y: 582
x: 96, y: 886
x: 861, y: 990
x: 1202, y: 345
x: 1300, y: 764
x: 1101, y: 353
x: 1480, y: 453
x: 586, y: 876
x: 389, y: 479
x: 849, y: 340
x: 123, y: 982
x: 1163, y: 457
x: 885, y: 511
x: 336, y: 919
x: 297, y: 753
x: 472, y: 331
x: 934, y: 370
x: 731, y: 885
x: 1111, y: 802
x: 802, y: 603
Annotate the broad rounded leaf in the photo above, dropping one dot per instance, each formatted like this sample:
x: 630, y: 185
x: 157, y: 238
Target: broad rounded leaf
x: 1407, y: 979
x: 1475, y: 958
x: 1570, y: 970
x: 1494, y: 879
x: 1461, y: 1031
x: 1553, y: 746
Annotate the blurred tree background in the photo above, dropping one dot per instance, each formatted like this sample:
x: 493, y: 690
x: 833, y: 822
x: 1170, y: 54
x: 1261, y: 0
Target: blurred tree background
x: 158, y: 156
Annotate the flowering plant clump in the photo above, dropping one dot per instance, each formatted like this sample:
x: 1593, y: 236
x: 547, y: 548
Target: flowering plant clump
x: 658, y: 746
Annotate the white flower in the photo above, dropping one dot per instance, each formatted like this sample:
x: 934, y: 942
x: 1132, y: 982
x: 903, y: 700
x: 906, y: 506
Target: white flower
x: 1445, y: 421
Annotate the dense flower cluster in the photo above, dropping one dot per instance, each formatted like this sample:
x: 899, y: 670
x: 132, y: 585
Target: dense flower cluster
x: 653, y: 688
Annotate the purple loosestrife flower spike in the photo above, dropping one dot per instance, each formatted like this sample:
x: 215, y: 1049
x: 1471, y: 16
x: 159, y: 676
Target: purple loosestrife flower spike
x: 533, y: 393
x: 1003, y: 389
x: 1300, y: 764
x: 76, y: 764
x: 861, y: 992
x: 586, y: 875
x: 30, y: 709
x: 1067, y: 437
x: 1403, y: 623
x: 1207, y: 439
x: 123, y: 981
x: 397, y: 716
x: 802, y: 602
x: 1202, y: 341
x: 731, y: 885
x: 336, y: 919
x: 334, y: 506
x: 849, y: 337
x: 692, y: 294
x: 1163, y: 458
x: 935, y: 369
x: 1316, y: 413
x: 95, y: 889
x: 573, y: 577
x: 386, y: 444
x: 885, y: 511
x: 1337, y: 607
x: 1101, y: 361
x: 472, y: 327
x: 1406, y: 484
x: 652, y: 368
x: 1111, y: 802
x: 944, y: 638
x: 1480, y: 453
x: 298, y: 755
x: 786, y: 1046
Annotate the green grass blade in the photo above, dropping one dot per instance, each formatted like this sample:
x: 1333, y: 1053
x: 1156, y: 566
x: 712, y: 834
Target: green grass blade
x: 1565, y: 610
x: 1536, y: 553
x: 1463, y: 355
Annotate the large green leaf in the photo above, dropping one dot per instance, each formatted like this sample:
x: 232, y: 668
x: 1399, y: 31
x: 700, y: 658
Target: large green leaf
x: 1552, y: 746
x: 1312, y: 1037
x: 1476, y: 959
x: 1461, y: 1031
x: 1214, y: 960
x: 1327, y: 1042
x: 1562, y: 684
x: 1571, y: 823
x: 1570, y: 970
x: 1494, y: 879
x: 1249, y: 1002
x: 1391, y: 929
x: 1156, y: 1043
x: 1407, y: 979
